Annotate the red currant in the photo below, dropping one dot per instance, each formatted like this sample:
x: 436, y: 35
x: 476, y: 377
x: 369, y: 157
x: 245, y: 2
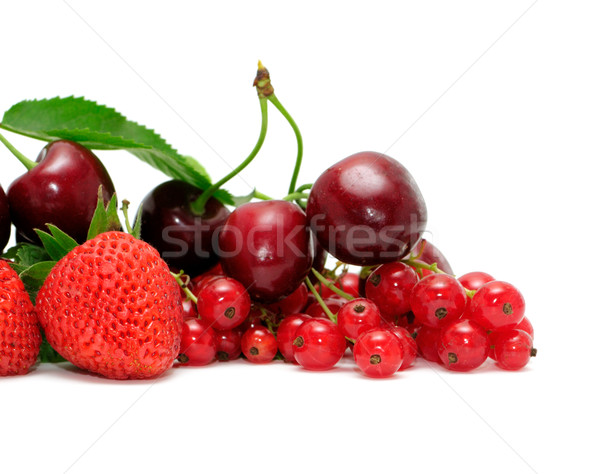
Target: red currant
x: 293, y: 303
x: 378, y: 353
x: 229, y: 344
x: 463, y: 345
x: 497, y: 305
x: 512, y: 348
x: 525, y: 325
x: 427, y: 340
x: 475, y: 280
x: 198, y: 343
x: 334, y: 303
x: 224, y: 303
x: 259, y: 345
x: 358, y: 316
x: 190, y: 309
x: 347, y: 283
x: 390, y: 287
x: 409, y: 346
x: 438, y: 300
x: 286, y: 333
x: 319, y: 344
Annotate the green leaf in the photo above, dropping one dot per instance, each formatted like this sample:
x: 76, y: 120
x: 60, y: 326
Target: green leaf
x: 47, y: 352
x: 99, y: 127
x: 239, y: 200
x: 54, y: 246
x: 137, y: 225
x: 65, y: 241
x: 38, y: 271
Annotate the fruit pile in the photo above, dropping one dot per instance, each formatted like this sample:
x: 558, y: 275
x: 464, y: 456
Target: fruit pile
x: 202, y: 275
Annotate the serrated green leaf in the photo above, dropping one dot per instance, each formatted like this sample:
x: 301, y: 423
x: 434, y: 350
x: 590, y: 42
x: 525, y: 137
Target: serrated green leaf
x: 52, y: 246
x: 99, y: 127
x: 239, y: 200
x: 64, y: 240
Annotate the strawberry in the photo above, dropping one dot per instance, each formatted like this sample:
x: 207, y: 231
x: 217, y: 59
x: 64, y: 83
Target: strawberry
x: 111, y: 306
x: 20, y: 337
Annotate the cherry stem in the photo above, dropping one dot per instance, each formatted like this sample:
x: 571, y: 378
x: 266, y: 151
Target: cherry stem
x: 304, y: 187
x: 125, y: 210
x: 317, y: 296
x: 29, y: 164
x: 331, y: 286
x: 261, y: 196
x: 200, y: 203
x: 184, y: 287
x: 295, y: 196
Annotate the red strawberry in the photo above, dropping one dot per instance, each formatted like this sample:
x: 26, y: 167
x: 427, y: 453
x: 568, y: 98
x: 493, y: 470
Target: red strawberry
x: 112, y: 307
x: 20, y: 337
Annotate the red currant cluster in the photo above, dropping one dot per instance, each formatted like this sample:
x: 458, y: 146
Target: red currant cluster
x: 387, y: 316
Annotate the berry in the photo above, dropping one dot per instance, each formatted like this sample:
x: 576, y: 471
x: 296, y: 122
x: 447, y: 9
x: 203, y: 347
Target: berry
x: 286, y: 333
x: 267, y: 247
x: 367, y: 210
x: 319, y: 344
x: 378, y: 353
x: 229, y: 344
x: 497, y: 305
x: 334, y: 303
x: 409, y: 346
x: 358, y: 316
x: 475, y: 280
x: 390, y: 287
x: 111, y: 306
x: 223, y: 302
x: 438, y: 300
x: 347, y: 283
x: 259, y: 345
x: 198, y: 343
x: 293, y: 303
x: 463, y: 345
x: 525, y: 325
x: 62, y: 189
x: 512, y: 348
x: 427, y: 340
x: 431, y: 254
x: 4, y: 220
x: 20, y: 337
x: 190, y: 310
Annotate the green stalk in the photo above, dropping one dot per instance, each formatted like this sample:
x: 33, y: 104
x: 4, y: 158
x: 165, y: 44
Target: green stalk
x: 20, y: 156
x: 317, y: 296
x: 331, y: 286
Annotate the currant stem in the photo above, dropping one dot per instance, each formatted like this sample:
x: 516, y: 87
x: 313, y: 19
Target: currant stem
x: 420, y: 265
x: 184, y: 287
x: 200, y: 203
x: 331, y: 286
x: 29, y: 164
x: 317, y: 296
x: 275, y: 101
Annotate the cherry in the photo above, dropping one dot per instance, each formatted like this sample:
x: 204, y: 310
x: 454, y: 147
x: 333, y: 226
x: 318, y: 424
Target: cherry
x: 61, y: 189
x: 409, y: 346
x: 293, y: 303
x: 229, y: 344
x: 367, y: 210
x: 4, y: 220
x: 319, y: 344
x: 389, y: 286
x: 198, y: 343
x: 512, y: 348
x: 358, y: 316
x: 224, y: 303
x: 427, y: 340
x: 267, y: 247
x: 437, y: 300
x: 497, y: 305
x: 474, y: 280
x: 430, y: 254
x: 184, y: 238
x: 319, y: 259
x: 286, y: 333
x: 259, y: 345
x: 463, y: 345
x: 378, y: 353
x: 334, y: 303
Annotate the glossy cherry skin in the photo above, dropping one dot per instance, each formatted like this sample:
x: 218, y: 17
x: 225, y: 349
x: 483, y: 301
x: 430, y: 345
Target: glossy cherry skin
x: 358, y: 316
x: 267, y: 247
x: 378, y: 353
x: 367, y: 210
x: 185, y: 240
x: 438, y: 300
x: 62, y: 189
x: 229, y: 344
x: 4, y: 220
x: 319, y: 344
x: 497, y: 305
x: 224, y: 303
x: 463, y: 345
x: 286, y: 333
x: 475, y: 280
x: 259, y: 345
x: 198, y: 343
x: 431, y: 254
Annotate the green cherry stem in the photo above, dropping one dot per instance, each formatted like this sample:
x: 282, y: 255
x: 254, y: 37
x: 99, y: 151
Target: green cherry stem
x: 29, y: 164
x: 200, y: 203
x: 295, y: 196
x: 184, y: 287
x: 304, y: 187
x: 331, y: 286
x: 317, y: 296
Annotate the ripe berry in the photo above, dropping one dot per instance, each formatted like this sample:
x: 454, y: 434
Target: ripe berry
x: 428, y: 343
x: 293, y: 303
x: 438, y: 300
x: 525, y: 325
x: 497, y: 305
x: 475, y: 280
x: 319, y: 344
x: 347, y: 283
x: 229, y: 344
x: 190, y: 310
x: 390, y: 287
x: 358, y: 316
x: 286, y: 333
x: 198, y: 343
x: 259, y: 345
x: 378, y: 353
x: 409, y: 346
x: 224, y: 303
x: 334, y: 303
x: 431, y: 254
x: 512, y: 348
x: 463, y: 345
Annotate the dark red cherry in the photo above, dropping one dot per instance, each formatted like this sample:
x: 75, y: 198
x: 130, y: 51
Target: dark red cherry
x: 4, y: 220
x: 267, y: 247
x: 62, y: 189
x: 184, y: 239
x: 367, y: 209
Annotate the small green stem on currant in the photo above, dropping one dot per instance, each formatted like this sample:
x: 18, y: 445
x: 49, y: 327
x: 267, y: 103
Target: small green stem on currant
x: 317, y: 296
x: 178, y: 278
x: 29, y: 164
x: 422, y: 266
x: 331, y: 286
x: 200, y: 203
x: 470, y: 293
x: 295, y: 196
x: 125, y: 203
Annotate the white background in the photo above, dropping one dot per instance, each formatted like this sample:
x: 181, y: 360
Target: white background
x: 492, y: 106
